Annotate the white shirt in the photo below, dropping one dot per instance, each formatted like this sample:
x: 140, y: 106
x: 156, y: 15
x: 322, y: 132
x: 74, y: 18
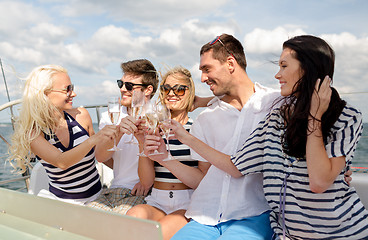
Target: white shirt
x: 125, y: 160
x: 220, y: 197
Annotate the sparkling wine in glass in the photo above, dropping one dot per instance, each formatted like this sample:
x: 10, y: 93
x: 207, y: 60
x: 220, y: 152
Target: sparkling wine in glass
x: 164, y: 117
x: 138, y: 99
x: 152, y: 120
x: 113, y: 108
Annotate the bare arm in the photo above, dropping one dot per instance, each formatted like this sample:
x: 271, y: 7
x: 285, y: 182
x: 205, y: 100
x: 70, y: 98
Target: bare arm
x: 41, y: 147
x: 146, y: 171
x: 322, y: 170
x: 190, y: 176
x: 217, y: 158
x: 200, y: 102
x: 109, y: 163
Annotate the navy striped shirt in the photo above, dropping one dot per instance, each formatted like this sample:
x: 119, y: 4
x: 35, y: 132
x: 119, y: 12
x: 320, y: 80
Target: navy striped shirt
x: 79, y: 181
x: 181, y: 153
x: 335, y: 214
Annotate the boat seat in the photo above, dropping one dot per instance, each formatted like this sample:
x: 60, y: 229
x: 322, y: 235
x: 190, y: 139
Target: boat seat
x: 39, y: 179
x: 360, y: 183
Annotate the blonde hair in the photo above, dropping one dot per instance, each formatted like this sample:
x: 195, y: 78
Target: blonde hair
x: 180, y: 73
x: 37, y: 115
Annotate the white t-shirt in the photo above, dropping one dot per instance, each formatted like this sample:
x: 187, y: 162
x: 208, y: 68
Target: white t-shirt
x: 220, y: 197
x: 125, y: 160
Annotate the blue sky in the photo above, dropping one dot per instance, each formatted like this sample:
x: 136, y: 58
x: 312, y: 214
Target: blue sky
x: 92, y: 38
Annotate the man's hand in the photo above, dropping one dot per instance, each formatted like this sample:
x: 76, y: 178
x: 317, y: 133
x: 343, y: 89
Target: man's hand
x: 140, y: 190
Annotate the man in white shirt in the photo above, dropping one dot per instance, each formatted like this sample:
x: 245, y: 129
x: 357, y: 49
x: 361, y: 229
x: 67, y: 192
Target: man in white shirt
x: 126, y: 190
x: 222, y: 206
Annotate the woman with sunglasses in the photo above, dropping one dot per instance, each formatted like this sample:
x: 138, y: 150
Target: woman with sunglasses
x: 172, y: 189
x: 302, y: 149
x: 61, y: 137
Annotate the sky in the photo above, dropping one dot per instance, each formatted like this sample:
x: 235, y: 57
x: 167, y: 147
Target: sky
x: 92, y: 38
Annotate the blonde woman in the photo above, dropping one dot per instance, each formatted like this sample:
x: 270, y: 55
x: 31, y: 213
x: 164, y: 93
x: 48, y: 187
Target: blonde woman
x: 172, y: 187
x: 61, y: 137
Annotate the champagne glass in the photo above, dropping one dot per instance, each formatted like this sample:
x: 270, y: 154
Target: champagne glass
x: 113, y: 108
x: 136, y: 107
x: 152, y: 120
x: 164, y: 117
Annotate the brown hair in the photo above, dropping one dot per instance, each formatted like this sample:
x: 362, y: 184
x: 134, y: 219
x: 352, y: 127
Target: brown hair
x: 142, y: 68
x: 232, y: 47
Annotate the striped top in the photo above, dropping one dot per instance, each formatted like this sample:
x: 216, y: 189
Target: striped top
x: 180, y: 152
x: 335, y: 214
x: 79, y: 181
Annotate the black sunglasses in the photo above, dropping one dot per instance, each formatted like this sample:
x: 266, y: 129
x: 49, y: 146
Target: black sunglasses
x: 217, y: 39
x: 129, y: 85
x: 178, y: 90
x: 68, y: 90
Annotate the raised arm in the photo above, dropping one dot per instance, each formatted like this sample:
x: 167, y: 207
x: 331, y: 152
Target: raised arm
x: 200, y: 102
x: 217, y: 158
x: 42, y: 148
x: 190, y: 176
x: 322, y: 170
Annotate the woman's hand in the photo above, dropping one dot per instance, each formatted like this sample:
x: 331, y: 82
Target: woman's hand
x: 152, y: 143
x: 179, y: 132
x: 106, y: 134
x: 141, y: 130
x: 321, y: 98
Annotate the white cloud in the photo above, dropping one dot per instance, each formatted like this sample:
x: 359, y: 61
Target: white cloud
x: 15, y: 15
x: 351, y: 61
x: 266, y: 41
x: 144, y: 12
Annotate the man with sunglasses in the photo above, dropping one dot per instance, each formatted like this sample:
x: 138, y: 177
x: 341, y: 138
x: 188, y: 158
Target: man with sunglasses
x: 125, y: 190
x: 222, y: 206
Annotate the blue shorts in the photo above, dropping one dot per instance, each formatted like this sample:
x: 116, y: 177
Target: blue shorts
x: 257, y: 227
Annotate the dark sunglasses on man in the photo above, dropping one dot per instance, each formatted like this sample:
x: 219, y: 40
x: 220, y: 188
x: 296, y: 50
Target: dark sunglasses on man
x: 129, y: 85
x: 178, y: 90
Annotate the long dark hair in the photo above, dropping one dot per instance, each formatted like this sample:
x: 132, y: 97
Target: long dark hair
x: 316, y: 59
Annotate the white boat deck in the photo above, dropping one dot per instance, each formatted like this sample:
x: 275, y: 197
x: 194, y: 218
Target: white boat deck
x: 25, y: 216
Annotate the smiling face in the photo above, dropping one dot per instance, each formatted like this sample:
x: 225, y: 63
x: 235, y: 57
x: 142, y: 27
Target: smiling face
x: 126, y: 96
x: 174, y: 102
x: 290, y: 72
x: 215, y: 74
x: 58, y: 97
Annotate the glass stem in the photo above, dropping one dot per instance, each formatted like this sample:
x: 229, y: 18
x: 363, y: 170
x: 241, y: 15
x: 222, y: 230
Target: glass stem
x: 168, y: 145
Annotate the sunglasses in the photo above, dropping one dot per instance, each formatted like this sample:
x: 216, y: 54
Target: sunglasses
x: 217, y: 39
x: 68, y: 90
x: 178, y: 90
x: 128, y: 85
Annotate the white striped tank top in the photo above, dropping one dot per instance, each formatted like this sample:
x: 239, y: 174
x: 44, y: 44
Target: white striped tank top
x: 180, y: 152
x: 80, y: 180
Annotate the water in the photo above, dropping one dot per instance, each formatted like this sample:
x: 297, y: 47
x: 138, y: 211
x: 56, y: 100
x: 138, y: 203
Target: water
x: 360, y: 159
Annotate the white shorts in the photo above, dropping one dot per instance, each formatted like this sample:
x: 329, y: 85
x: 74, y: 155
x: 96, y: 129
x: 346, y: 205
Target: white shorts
x: 169, y: 200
